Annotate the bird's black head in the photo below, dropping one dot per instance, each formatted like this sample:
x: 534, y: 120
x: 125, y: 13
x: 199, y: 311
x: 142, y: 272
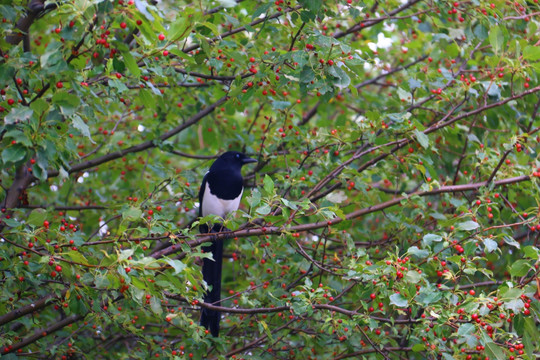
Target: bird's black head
x: 232, y: 160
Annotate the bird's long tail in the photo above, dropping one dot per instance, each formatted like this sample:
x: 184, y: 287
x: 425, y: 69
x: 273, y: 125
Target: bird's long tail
x: 211, y: 271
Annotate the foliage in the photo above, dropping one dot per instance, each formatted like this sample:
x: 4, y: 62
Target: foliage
x: 393, y: 212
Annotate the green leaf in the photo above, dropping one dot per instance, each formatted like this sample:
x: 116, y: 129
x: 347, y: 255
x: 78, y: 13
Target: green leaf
x: 496, y: 38
x: 531, y: 53
x: 422, y: 138
x: 179, y: 29
x: 466, y: 329
x: 342, y: 80
x: 261, y: 10
x: 155, y: 305
x: 212, y: 28
x: 515, y: 305
x: 177, y: 265
x: 312, y: 5
x: 132, y: 214
x: 125, y: 254
x: 79, y: 124
x: 131, y: 64
x: 490, y: 245
x: 520, y: 268
x: 66, y: 101
x: 289, y: 204
x: 492, y: 350
x: 263, y: 209
x: 468, y: 225
x: 36, y: 218
x: 418, y: 347
x: 429, y: 238
x: 419, y: 253
x: 280, y: 105
x: 510, y: 241
x: 18, y: 115
x: 268, y: 184
x: 414, y: 84
x: 13, y: 154
x: 398, y: 300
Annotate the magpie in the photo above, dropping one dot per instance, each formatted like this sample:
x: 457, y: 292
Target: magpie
x: 220, y: 193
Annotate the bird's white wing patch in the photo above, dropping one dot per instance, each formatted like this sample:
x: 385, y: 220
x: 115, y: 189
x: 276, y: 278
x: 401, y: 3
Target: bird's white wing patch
x: 211, y: 204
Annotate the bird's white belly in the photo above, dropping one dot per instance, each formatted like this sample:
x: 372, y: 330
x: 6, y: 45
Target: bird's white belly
x: 216, y: 206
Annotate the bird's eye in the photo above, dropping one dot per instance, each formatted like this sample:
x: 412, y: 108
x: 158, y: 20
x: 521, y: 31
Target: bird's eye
x: 238, y: 156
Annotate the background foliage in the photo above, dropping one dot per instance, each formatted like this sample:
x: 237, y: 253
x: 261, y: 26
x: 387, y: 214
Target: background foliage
x: 393, y: 212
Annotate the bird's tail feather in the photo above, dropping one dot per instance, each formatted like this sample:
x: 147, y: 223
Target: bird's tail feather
x: 211, y: 271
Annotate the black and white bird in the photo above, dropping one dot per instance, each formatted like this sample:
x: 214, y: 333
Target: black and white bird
x: 220, y: 193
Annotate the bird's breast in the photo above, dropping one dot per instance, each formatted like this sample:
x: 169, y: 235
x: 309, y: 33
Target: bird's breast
x: 214, y: 205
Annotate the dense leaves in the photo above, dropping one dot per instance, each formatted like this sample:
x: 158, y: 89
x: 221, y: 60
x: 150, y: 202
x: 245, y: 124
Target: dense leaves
x: 393, y: 212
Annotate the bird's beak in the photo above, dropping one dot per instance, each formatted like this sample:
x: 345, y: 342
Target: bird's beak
x: 248, y: 160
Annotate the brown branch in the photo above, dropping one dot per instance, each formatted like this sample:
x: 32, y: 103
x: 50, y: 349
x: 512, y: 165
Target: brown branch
x: 323, y: 224
x: 40, y: 333
x: 371, y: 22
x: 65, y: 208
x: 296, y: 36
x: 143, y: 146
x: 494, y: 172
x: 211, y: 77
x: 30, y: 308
x: 243, y: 28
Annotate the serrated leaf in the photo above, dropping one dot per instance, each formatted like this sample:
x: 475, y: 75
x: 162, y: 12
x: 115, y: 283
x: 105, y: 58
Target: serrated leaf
x: 531, y: 53
x: 177, y: 265
x: 510, y: 241
x: 492, y: 350
x: 263, y: 209
x: 79, y: 124
x: 18, y: 115
x: 398, y: 300
x: 490, y: 245
x: 280, y: 105
x: 131, y: 64
x: 268, y: 184
x: 466, y: 329
x: 414, y: 84
x: 132, y: 214
x: 142, y: 7
x: 13, y: 154
x: 468, y: 225
x: 419, y: 253
x: 515, y: 305
x: 289, y: 204
x: 66, y: 101
x: 125, y: 254
x: 255, y: 198
x: 212, y: 27
x: 429, y: 238
x: 36, y: 217
x: 520, y: 268
x: 155, y: 305
x: 496, y: 38
x: 261, y: 10
x: 422, y: 138
x: 342, y: 80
